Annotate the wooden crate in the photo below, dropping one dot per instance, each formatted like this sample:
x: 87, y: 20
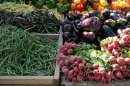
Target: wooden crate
x: 34, y: 80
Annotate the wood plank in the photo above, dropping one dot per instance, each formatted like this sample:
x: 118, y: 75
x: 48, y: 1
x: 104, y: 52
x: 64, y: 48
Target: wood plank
x: 51, y: 36
x: 96, y: 83
x: 26, y: 79
x: 27, y: 85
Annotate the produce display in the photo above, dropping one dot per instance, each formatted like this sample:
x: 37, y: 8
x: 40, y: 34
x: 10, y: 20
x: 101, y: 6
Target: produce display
x: 24, y: 54
x: 95, y: 36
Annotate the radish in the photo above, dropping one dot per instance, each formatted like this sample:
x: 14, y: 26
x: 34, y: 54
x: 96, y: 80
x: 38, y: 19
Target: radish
x: 98, y: 77
x: 61, y: 63
x: 71, y: 73
x: 65, y: 71
x: 84, y: 62
x: 108, y: 76
x: 79, y: 58
x: 69, y: 52
x: 123, y: 67
x: 62, y: 57
x: 74, y: 79
x: 81, y: 66
x: 121, y: 61
x: 79, y: 78
x: 102, y: 71
x: 65, y: 49
x: 125, y: 73
x: 76, y: 69
x: 127, y: 60
x: 118, y: 75
x: 116, y: 67
x: 95, y: 66
x: 112, y: 59
x: 76, y: 63
x: 103, y: 79
x: 85, y: 68
x: 64, y: 67
x: 90, y: 77
x: 76, y: 74
x: 69, y: 45
x: 72, y: 59
x: 74, y: 46
x: 67, y: 62
x: 95, y: 72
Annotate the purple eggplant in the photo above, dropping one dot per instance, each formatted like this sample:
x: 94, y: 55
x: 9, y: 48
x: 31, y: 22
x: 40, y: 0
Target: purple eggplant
x: 67, y: 28
x: 110, y: 22
x: 91, y: 24
x: 89, y: 36
x: 106, y: 13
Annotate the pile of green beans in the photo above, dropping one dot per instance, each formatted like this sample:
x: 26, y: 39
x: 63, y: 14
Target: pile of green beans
x: 23, y: 54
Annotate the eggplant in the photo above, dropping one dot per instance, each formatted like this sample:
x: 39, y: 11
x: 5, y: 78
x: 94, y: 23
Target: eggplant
x: 67, y: 35
x: 115, y: 16
x: 93, y: 13
x: 70, y: 17
x: 64, y: 21
x: 128, y: 16
x: 106, y: 13
x: 76, y: 15
x: 118, y: 18
x: 96, y: 14
x: 108, y: 31
x: 74, y: 26
x: 67, y: 28
x: 85, y: 16
x: 110, y: 23
x: 91, y: 24
x: 89, y: 36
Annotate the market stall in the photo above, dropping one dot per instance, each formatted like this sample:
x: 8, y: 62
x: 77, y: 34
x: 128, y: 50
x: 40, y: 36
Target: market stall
x: 64, y: 42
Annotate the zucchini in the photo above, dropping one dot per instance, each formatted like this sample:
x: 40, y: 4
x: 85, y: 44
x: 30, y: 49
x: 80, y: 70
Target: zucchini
x: 108, y: 31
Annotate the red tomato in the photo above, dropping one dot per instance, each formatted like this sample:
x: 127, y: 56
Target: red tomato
x: 116, y: 8
x: 73, y: 6
x: 94, y: 6
x: 83, y: 1
x: 80, y: 7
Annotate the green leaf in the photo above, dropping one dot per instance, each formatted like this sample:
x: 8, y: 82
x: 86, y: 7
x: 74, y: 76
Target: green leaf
x: 75, y: 83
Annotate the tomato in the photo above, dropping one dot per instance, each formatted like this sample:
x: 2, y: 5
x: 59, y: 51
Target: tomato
x: 73, y: 6
x: 116, y: 8
x: 80, y: 7
x: 77, y: 1
x: 83, y: 1
x: 94, y: 6
x: 96, y: 1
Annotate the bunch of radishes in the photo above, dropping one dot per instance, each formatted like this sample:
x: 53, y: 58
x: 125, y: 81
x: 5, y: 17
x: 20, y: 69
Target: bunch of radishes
x: 115, y: 46
x: 75, y: 68
x: 119, y: 61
